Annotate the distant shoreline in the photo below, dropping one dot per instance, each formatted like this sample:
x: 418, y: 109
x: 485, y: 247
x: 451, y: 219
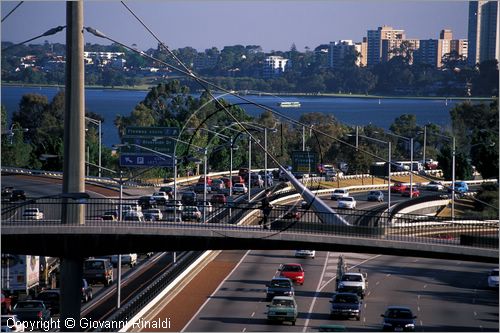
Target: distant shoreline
x: 146, y: 88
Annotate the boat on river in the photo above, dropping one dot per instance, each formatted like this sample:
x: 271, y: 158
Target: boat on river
x: 289, y: 104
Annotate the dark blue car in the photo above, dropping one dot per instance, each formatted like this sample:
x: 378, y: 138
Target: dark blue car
x: 279, y: 287
x: 345, y: 305
x: 398, y: 318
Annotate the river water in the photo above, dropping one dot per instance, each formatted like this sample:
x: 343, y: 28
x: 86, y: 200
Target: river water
x: 352, y: 111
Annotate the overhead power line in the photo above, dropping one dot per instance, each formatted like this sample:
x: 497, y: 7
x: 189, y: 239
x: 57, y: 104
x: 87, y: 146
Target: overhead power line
x: 49, y: 32
x: 13, y: 9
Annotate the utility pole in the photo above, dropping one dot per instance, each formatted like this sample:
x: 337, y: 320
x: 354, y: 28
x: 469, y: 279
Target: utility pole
x: 74, y: 163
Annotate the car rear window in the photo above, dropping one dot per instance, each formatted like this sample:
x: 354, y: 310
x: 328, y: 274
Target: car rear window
x: 346, y: 299
x: 355, y: 278
x: 280, y: 283
x: 94, y: 265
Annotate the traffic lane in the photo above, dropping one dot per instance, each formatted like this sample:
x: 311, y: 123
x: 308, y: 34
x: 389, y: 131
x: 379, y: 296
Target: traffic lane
x: 239, y: 304
x: 439, y: 292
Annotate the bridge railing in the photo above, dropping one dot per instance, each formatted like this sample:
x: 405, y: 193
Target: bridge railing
x: 282, y: 219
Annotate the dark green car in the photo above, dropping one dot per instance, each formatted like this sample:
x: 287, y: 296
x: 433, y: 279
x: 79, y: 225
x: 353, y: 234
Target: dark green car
x: 282, y: 308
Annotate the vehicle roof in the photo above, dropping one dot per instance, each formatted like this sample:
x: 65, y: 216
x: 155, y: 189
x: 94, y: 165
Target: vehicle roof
x: 284, y: 297
x: 353, y: 273
x: 291, y: 264
x: 281, y: 278
x: 395, y: 307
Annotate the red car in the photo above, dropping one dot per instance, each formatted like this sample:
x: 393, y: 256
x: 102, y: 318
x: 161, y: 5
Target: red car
x: 294, y: 272
x: 227, y: 182
x: 414, y: 194
x: 218, y: 199
x: 398, y: 188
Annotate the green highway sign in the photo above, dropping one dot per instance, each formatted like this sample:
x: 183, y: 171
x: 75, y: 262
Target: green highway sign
x: 304, y: 161
x: 155, y: 138
x: 137, y: 131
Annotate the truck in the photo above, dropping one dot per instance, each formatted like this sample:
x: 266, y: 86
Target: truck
x: 20, y: 274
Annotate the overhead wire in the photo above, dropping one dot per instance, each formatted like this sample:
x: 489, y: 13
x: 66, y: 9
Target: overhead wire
x: 13, y: 9
x: 49, y: 32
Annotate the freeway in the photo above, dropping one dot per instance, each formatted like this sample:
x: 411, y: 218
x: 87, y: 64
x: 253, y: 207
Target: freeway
x: 445, y: 295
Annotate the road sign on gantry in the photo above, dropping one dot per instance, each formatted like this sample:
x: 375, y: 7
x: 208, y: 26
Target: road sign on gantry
x: 154, y: 139
x: 304, y: 161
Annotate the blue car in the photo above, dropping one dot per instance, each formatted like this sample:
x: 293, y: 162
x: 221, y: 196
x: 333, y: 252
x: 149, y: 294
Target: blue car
x: 346, y: 305
x: 460, y: 188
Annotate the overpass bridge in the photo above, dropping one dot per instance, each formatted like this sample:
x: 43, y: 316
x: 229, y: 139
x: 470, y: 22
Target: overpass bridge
x: 236, y: 228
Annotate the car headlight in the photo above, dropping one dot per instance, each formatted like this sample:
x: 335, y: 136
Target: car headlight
x: 288, y: 293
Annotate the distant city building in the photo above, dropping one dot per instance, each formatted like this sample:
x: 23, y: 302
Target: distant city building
x: 339, y: 52
x: 391, y: 48
x: 274, y: 66
x: 427, y: 53
x: 483, y: 31
x: 432, y: 51
x: 461, y: 46
x: 101, y: 58
x: 374, y: 42
x: 321, y: 55
x: 363, y: 49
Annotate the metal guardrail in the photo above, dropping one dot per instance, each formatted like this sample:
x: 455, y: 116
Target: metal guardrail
x: 283, y: 218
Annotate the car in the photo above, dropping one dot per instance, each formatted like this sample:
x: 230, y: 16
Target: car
x: 227, y: 182
x: 18, y: 195
x: 240, y: 188
x: 237, y: 179
x: 414, y: 194
x: 172, y: 206
x: 398, y: 188
x: 127, y: 259
x: 133, y: 216
x: 131, y: 207
x: 279, y: 286
x: 339, y: 193
x: 12, y: 323
x: 160, y: 198
x: 200, y: 188
x: 293, y: 213
x: 218, y: 199
x: 146, y: 201
x: 86, y: 291
x: 110, y: 215
x: 51, y: 298
x: 153, y: 214
x: 169, y: 191
x: 493, y: 279
x: 376, y: 196
x: 293, y: 271
x: 6, y: 302
x: 188, y: 198
x: 7, y: 193
x: 31, y: 310
x: 434, y: 186
x: 305, y: 254
x: 218, y: 185
x: 207, y: 204
x: 98, y: 270
x: 202, y: 180
x: 353, y: 283
x: 304, y: 204
x: 398, y: 318
x: 460, y: 188
x: 33, y: 214
x: 345, y: 305
x: 191, y: 213
x: 282, y: 308
x: 346, y: 202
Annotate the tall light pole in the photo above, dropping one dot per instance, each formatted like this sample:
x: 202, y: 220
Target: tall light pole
x: 411, y: 158
x: 453, y: 153
x: 388, y: 143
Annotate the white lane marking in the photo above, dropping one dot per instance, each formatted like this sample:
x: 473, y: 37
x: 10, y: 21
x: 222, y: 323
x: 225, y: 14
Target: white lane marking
x: 415, y: 260
x: 418, y: 297
x: 388, y: 275
x: 418, y: 308
x: 377, y: 283
x: 215, y: 291
x: 369, y: 293
x: 316, y: 294
x: 365, y: 305
x: 425, y: 286
x: 475, y: 313
x: 421, y: 324
x: 253, y: 314
x: 361, y: 263
x: 244, y: 329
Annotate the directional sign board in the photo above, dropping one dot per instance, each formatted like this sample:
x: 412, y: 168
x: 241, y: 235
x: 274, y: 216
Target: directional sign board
x: 155, y: 141
x: 129, y: 160
x: 304, y: 161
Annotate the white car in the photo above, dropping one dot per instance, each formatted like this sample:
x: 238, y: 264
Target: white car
x: 434, y: 186
x: 153, y: 214
x: 33, y: 214
x: 127, y: 259
x: 339, y: 193
x: 133, y: 216
x: 493, y: 279
x: 160, y: 197
x: 346, y: 202
x: 240, y: 188
x: 305, y: 253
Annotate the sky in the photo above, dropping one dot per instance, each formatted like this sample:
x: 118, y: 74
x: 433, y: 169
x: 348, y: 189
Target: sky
x: 202, y: 24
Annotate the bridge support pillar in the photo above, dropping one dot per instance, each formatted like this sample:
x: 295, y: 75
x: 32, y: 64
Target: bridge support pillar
x: 71, y: 288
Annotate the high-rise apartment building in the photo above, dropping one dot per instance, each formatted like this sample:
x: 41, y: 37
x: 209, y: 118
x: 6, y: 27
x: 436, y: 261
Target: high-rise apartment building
x: 374, y: 42
x: 274, y: 66
x: 483, y: 32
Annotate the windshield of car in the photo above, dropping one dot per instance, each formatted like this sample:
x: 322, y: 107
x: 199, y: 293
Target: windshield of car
x: 94, y: 265
x: 399, y: 314
x: 28, y: 305
x: 346, y: 199
x: 348, y: 277
x: 345, y: 299
x: 339, y: 191
x: 291, y: 268
x: 283, y: 303
x: 374, y: 193
x: 280, y: 284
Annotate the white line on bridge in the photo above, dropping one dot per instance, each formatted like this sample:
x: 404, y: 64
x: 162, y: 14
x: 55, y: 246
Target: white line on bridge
x: 316, y: 294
